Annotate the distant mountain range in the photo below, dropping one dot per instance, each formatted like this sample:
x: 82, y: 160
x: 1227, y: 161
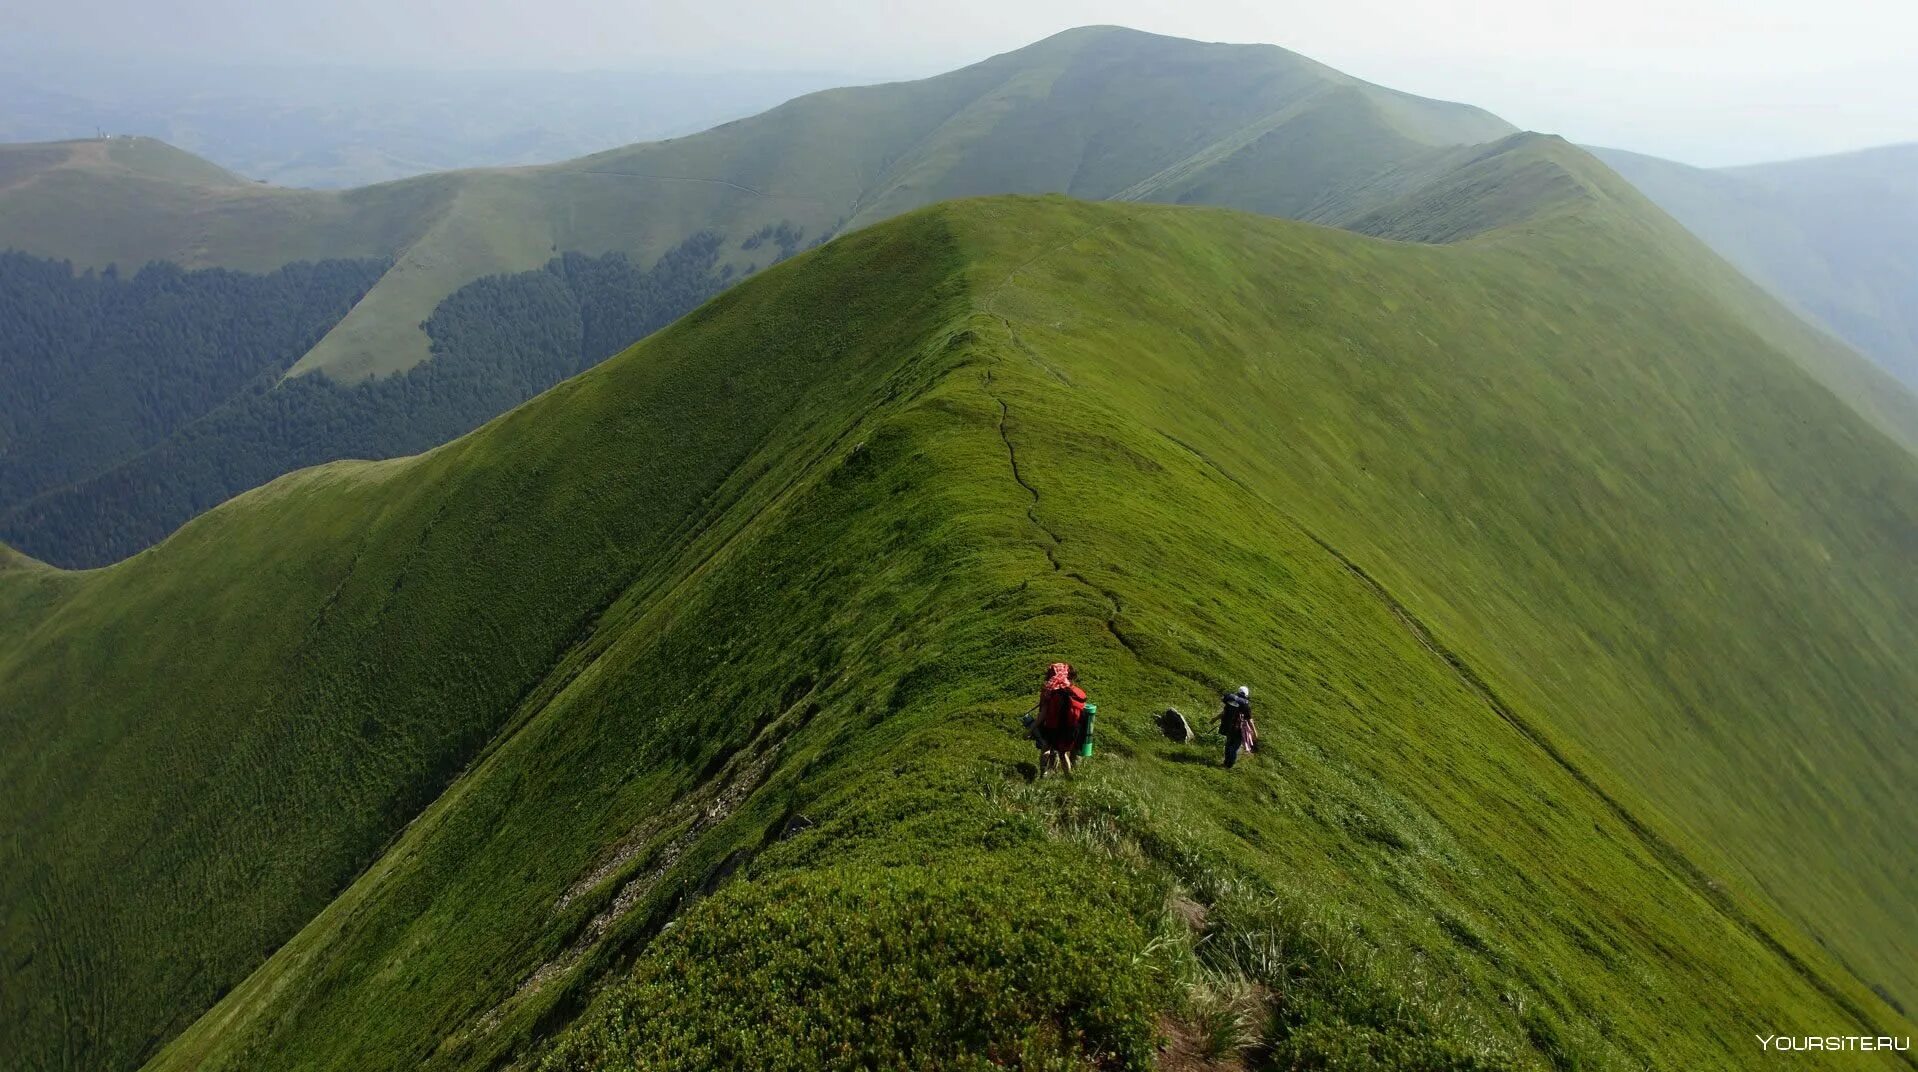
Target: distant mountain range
x: 1098, y: 114
x: 335, y: 127
x: 1836, y: 237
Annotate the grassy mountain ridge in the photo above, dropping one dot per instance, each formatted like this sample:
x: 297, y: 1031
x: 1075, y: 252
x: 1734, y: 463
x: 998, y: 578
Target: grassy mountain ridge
x: 582, y: 740
x: 1834, y: 237
x: 351, y: 606
x: 1470, y: 517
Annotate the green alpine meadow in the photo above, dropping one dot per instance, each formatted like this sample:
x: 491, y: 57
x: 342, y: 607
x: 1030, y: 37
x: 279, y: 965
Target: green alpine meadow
x: 672, y: 720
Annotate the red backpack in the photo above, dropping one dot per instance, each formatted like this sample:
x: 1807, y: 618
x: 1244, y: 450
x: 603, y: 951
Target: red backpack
x: 1062, y: 705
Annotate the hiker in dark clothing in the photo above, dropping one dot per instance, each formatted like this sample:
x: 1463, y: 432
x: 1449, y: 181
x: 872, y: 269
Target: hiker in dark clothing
x: 1235, y: 721
x: 1061, y: 721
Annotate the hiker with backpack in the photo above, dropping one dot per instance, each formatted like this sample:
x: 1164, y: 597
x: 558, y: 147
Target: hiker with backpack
x: 1235, y: 721
x: 1060, y: 727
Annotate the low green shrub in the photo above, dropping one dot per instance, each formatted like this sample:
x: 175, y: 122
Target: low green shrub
x: 1002, y: 964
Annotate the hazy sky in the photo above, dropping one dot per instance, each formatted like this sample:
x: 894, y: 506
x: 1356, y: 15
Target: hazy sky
x: 1705, y: 81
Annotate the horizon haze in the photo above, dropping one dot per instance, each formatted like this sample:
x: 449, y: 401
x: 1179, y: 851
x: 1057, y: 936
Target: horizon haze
x: 1714, y: 84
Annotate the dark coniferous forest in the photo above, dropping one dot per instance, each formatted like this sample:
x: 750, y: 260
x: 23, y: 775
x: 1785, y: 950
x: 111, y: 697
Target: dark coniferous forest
x: 100, y: 366
x: 496, y: 342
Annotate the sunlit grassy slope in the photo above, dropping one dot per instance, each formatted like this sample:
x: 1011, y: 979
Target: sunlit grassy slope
x: 705, y: 668
x: 1095, y: 112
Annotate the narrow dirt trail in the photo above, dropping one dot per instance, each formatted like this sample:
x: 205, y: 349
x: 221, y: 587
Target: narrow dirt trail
x: 1115, y: 605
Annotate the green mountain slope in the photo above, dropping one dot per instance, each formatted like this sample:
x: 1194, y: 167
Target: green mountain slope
x: 1836, y: 237
x: 704, y: 666
x: 1099, y: 113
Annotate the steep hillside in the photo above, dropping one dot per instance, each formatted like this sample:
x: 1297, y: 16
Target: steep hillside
x: 398, y: 634
x: 705, y: 667
x: 1836, y: 237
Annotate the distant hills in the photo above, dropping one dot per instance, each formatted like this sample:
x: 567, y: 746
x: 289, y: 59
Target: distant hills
x: 670, y: 720
x: 336, y: 127
x: 1836, y: 237
x: 1097, y: 113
